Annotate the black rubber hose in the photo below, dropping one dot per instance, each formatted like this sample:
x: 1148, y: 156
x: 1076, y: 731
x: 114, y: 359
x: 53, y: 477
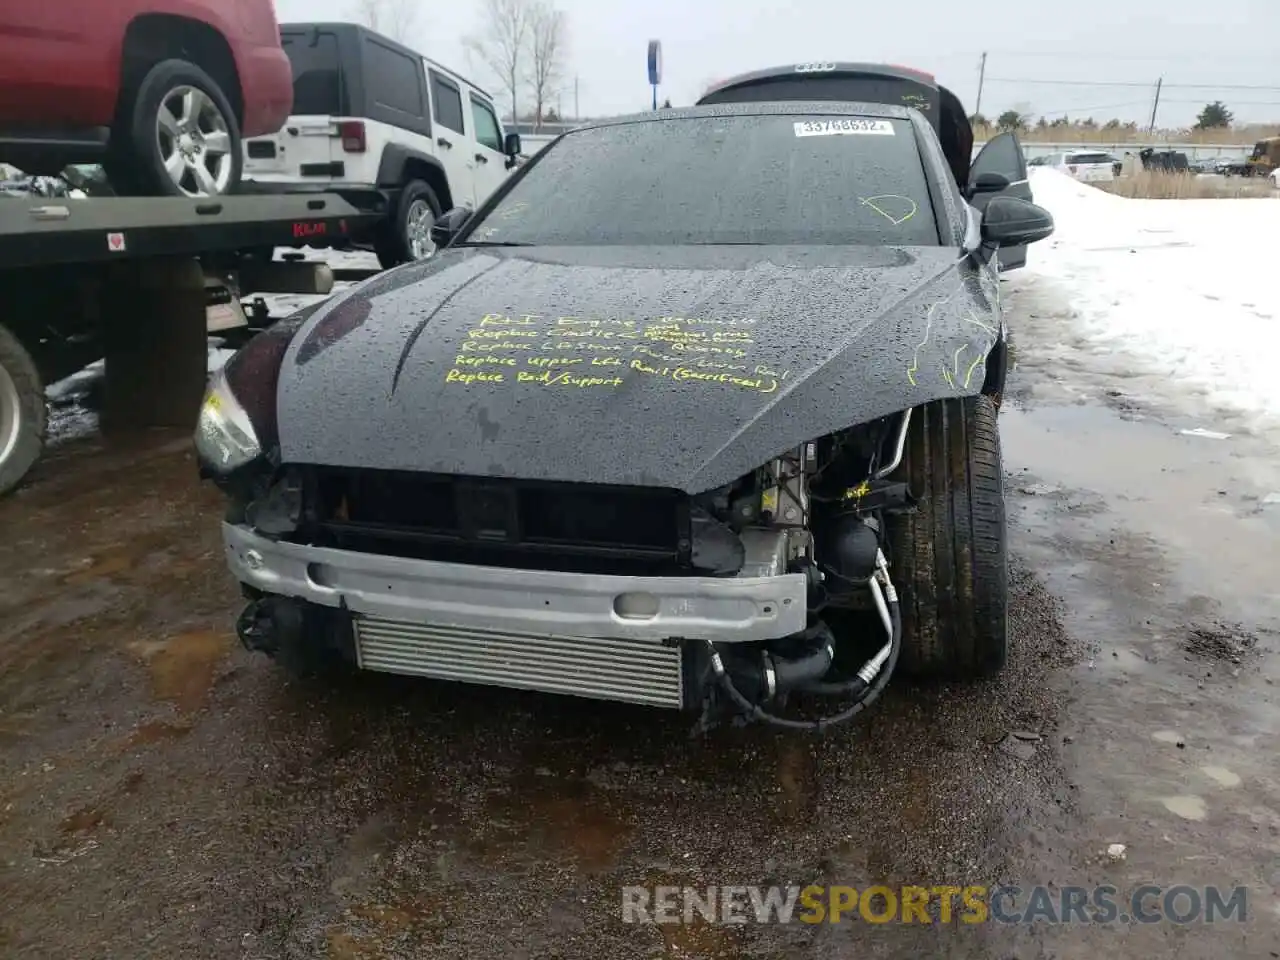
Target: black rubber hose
x: 865, y: 700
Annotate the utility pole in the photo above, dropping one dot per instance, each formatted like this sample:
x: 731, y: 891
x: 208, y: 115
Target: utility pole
x: 982, y: 75
x: 1155, y: 106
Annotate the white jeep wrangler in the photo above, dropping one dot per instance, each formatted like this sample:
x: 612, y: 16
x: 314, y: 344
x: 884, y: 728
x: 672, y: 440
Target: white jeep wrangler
x: 371, y: 114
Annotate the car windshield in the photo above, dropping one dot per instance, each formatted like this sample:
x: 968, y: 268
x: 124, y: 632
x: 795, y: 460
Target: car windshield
x: 742, y: 179
x: 1090, y: 158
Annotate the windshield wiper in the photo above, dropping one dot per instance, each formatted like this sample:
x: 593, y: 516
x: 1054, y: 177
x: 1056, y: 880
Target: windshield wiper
x: 490, y: 243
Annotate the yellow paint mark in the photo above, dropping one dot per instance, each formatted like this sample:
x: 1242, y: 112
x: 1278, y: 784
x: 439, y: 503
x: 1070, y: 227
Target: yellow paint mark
x: 488, y: 360
x: 683, y: 349
x: 460, y: 376
x: 970, y: 318
x: 858, y: 492
x: 552, y: 361
x: 874, y: 204
x: 955, y: 360
x: 566, y: 379
x: 969, y: 373
x: 915, y: 356
x: 946, y: 375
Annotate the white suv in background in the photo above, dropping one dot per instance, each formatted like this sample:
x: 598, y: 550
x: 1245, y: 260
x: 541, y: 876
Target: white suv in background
x: 370, y: 114
x: 1086, y: 166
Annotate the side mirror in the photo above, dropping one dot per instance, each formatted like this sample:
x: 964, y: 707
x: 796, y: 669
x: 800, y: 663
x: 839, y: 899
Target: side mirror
x: 448, y: 226
x: 988, y: 183
x: 1010, y: 222
x: 511, y: 144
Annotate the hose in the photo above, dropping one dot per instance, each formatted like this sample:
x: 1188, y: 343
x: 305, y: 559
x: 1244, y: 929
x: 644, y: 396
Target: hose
x: 866, y: 687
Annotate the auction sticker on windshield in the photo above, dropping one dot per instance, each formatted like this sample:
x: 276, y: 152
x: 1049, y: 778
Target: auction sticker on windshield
x: 845, y: 126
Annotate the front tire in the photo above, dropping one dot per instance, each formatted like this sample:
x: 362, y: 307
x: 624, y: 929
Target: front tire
x: 23, y: 414
x: 407, y: 236
x: 949, y: 558
x: 179, y: 137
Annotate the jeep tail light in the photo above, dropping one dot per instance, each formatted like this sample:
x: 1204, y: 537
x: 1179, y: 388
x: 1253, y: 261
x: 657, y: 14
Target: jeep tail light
x: 353, y: 136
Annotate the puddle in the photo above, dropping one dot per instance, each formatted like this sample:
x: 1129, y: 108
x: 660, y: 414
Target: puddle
x: 1188, y: 807
x: 1222, y: 776
x: 84, y: 820
x: 796, y: 775
x: 1175, y: 491
x: 184, y: 667
x: 684, y: 941
x: 155, y: 731
x: 566, y: 817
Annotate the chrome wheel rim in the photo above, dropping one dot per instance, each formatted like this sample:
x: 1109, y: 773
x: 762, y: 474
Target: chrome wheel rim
x: 10, y: 415
x: 194, y: 142
x: 417, y: 228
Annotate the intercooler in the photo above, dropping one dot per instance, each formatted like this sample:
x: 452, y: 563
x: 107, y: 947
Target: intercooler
x: 630, y: 671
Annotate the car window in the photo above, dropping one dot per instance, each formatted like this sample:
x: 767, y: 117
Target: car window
x: 757, y: 179
x: 1089, y: 158
x: 448, y: 103
x: 392, y: 79
x: 487, y: 131
x: 317, y: 73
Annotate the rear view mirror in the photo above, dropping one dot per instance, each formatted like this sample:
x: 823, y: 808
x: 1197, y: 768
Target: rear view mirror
x: 448, y: 225
x: 1010, y: 222
x: 988, y: 183
x: 511, y: 147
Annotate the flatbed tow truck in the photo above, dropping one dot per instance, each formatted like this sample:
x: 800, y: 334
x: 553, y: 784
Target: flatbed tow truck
x: 128, y: 280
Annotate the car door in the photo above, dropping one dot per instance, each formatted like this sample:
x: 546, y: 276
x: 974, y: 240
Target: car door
x: 56, y: 67
x: 452, y: 143
x: 1002, y: 154
x: 491, y: 162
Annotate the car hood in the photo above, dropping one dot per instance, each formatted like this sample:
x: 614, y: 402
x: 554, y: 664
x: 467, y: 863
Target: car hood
x: 682, y: 368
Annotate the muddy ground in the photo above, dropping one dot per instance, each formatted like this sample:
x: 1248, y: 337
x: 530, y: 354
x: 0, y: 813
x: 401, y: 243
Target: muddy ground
x: 165, y: 794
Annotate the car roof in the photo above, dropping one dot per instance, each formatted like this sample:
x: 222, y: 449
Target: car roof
x: 339, y: 26
x: 826, y: 69
x: 784, y: 108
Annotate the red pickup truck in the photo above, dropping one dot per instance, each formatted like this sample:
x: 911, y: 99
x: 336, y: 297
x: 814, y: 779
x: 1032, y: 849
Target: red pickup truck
x: 159, y: 91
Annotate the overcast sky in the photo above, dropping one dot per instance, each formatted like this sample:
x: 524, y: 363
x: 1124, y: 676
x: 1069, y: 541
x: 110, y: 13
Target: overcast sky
x: 1121, y: 46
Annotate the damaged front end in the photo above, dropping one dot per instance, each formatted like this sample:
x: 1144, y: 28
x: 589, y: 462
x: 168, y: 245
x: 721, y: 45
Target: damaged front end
x: 716, y: 603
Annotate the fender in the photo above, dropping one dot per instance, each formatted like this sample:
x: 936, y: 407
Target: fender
x: 997, y: 369
x: 394, y: 158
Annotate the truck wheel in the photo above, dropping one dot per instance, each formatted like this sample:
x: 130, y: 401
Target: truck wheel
x: 23, y: 415
x: 949, y: 557
x: 408, y: 230
x: 179, y: 138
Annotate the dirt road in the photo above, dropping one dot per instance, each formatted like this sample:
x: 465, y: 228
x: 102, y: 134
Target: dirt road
x: 165, y: 794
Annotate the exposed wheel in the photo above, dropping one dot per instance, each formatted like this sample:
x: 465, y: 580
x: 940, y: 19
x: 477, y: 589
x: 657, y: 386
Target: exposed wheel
x: 179, y: 137
x: 949, y: 558
x: 408, y: 234
x: 23, y: 415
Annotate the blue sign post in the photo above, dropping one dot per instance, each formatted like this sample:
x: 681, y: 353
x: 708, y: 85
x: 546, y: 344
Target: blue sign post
x: 655, y: 68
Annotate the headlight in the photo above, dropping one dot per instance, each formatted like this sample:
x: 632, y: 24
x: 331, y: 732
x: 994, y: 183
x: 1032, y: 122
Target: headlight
x: 225, y: 439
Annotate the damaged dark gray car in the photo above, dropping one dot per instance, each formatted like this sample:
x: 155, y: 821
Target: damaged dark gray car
x: 697, y: 411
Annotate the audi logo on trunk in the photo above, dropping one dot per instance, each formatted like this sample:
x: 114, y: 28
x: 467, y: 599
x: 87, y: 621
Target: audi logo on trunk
x: 814, y: 67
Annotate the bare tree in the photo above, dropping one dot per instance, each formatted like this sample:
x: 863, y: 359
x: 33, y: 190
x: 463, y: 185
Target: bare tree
x: 393, y: 18
x: 548, y: 44
x: 502, y: 42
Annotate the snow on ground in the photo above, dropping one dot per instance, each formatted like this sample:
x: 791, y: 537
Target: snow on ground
x: 1182, y: 289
